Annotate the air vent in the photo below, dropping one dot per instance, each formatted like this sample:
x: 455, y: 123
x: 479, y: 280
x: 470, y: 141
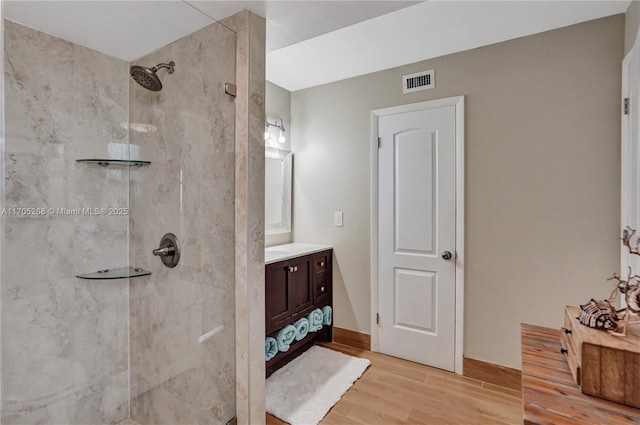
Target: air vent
x: 419, y: 81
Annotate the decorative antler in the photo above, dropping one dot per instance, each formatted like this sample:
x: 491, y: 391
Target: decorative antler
x: 630, y: 288
x: 627, y: 234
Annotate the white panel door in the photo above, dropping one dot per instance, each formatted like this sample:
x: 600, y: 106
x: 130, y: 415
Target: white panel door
x: 630, y: 202
x: 416, y: 210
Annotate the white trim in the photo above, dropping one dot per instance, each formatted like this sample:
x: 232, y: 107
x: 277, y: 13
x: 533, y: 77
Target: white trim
x: 625, y: 155
x: 458, y: 102
x: 374, y: 231
x: 2, y: 164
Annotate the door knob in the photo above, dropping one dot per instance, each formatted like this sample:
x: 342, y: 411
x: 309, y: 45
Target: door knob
x: 447, y: 255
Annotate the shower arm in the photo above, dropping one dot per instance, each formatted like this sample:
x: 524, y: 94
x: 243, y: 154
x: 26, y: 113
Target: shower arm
x: 168, y: 66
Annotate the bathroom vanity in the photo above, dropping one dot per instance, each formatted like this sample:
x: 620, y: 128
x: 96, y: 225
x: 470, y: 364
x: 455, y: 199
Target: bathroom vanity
x: 298, y: 280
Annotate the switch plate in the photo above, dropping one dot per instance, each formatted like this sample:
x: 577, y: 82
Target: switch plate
x: 337, y: 218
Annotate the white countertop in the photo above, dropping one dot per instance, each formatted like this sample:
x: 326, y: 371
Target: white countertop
x: 273, y: 254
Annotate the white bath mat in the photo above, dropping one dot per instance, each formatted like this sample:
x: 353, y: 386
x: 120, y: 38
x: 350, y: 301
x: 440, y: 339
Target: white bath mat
x: 303, y: 391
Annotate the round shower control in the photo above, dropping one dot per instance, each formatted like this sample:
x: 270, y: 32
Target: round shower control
x: 169, y: 250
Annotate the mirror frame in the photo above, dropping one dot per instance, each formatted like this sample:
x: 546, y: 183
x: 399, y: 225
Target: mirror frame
x: 284, y: 226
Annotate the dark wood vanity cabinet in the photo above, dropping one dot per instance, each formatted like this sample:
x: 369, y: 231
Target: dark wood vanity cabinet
x: 293, y: 289
x: 288, y: 290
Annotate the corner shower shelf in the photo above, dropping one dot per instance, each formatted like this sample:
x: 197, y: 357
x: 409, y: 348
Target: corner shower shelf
x: 119, y: 273
x: 123, y: 162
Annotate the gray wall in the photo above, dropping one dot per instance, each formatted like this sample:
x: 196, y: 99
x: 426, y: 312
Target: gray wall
x: 188, y: 190
x: 542, y: 177
x: 64, y: 340
x: 278, y: 105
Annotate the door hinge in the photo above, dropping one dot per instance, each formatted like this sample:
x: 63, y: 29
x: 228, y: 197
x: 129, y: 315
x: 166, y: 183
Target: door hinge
x: 377, y: 318
x: 625, y: 105
x: 379, y: 142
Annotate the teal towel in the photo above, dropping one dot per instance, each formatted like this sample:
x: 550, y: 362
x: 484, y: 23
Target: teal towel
x: 285, y: 337
x: 270, y: 348
x: 326, y: 315
x: 302, y: 328
x: 315, y: 320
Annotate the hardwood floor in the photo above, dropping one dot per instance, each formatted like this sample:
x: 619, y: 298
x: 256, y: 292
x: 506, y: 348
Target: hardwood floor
x: 395, y: 391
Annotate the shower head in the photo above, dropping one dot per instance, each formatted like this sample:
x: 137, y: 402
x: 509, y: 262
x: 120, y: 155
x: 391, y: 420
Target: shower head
x: 148, y: 78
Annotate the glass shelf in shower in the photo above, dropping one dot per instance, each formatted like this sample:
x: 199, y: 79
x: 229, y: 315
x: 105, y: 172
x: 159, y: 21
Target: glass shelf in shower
x: 121, y: 162
x: 119, y: 273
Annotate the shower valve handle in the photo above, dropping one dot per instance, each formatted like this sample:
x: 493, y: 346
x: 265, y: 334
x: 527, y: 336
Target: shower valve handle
x: 166, y: 251
x: 169, y: 250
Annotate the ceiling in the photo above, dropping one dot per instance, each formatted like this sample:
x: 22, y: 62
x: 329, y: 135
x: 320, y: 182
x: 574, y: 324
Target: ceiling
x: 290, y: 22
x: 423, y: 31
x: 310, y: 42
x: 131, y: 29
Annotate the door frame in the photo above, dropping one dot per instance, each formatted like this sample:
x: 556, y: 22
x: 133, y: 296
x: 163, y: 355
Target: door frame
x: 458, y: 103
x: 626, y: 155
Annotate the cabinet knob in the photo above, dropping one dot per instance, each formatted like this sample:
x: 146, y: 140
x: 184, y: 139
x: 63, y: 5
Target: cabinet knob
x: 567, y: 331
x: 321, y: 263
x: 563, y: 350
x: 295, y: 268
x: 322, y: 289
x: 290, y: 269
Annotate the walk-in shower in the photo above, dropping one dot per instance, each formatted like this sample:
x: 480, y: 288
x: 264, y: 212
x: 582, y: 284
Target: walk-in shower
x: 148, y: 77
x: 94, y: 329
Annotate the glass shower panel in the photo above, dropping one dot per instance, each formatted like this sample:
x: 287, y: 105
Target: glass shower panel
x: 182, y: 320
x: 65, y: 347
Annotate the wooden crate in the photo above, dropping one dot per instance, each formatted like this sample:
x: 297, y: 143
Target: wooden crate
x: 603, y: 365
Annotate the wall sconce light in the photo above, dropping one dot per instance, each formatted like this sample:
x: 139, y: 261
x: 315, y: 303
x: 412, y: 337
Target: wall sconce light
x: 279, y: 124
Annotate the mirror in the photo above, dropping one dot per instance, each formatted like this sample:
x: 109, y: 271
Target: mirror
x: 277, y: 193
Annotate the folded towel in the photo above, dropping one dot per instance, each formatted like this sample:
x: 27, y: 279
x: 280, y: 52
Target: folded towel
x: 285, y: 337
x: 315, y: 320
x: 326, y: 315
x: 302, y: 328
x: 270, y: 348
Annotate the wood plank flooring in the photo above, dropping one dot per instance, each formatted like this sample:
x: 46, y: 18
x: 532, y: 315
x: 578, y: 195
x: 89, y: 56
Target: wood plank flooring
x: 551, y: 396
x: 395, y: 391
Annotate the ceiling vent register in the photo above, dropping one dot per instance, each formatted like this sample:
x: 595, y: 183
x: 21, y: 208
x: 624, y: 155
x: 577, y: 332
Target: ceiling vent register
x: 419, y: 81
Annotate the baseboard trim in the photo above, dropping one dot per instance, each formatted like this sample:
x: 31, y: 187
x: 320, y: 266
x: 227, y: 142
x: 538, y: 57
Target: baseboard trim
x: 352, y: 338
x: 492, y: 373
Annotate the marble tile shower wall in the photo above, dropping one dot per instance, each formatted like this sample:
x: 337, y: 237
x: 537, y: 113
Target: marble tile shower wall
x: 182, y: 319
x: 64, y: 340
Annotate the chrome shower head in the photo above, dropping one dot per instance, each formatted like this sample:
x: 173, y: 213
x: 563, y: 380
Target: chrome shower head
x: 148, y: 78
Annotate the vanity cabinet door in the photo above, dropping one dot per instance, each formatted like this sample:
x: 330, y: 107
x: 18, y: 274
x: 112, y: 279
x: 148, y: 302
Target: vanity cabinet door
x: 276, y: 294
x: 300, y: 283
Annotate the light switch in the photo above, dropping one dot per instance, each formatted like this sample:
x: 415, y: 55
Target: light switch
x: 337, y: 218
